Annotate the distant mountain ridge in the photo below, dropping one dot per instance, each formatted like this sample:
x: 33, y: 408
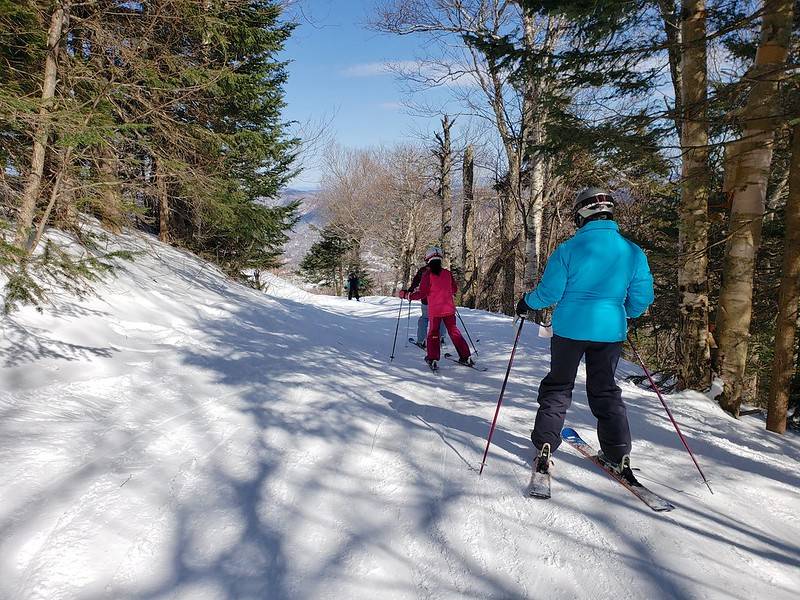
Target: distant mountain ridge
x: 305, y: 232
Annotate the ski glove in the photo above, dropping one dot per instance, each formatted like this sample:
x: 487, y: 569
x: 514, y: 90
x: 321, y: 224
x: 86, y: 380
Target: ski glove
x: 522, y: 308
x: 633, y: 323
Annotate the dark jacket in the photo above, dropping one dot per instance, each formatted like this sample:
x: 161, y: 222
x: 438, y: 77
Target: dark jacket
x: 417, y: 280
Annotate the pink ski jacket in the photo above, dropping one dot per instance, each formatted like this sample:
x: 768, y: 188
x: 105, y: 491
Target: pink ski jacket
x: 439, y: 291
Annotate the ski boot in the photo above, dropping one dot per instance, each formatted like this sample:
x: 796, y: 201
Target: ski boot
x: 467, y: 361
x: 433, y: 364
x: 622, y: 468
x: 543, y: 461
x: 540, y: 478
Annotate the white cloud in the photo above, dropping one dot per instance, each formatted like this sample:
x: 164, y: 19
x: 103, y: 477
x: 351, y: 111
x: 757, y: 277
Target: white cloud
x: 376, y: 69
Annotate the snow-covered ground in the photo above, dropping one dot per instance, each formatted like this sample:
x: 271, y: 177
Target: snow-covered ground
x: 180, y: 436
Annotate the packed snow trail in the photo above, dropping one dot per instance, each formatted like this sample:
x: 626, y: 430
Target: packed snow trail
x: 181, y: 436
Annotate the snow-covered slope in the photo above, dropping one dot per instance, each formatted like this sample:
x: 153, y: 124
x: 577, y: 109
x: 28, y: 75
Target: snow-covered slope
x: 180, y: 436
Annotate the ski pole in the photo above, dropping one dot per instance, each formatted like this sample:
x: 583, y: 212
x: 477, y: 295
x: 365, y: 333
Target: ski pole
x: 408, y: 323
x: 464, y: 325
x: 502, y: 391
x: 669, y: 413
x: 396, y: 329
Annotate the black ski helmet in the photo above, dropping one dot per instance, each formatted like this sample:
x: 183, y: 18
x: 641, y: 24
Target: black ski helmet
x: 591, y: 204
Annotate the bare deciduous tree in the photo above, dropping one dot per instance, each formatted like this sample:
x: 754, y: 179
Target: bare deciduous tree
x: 469, y: 264
x: 444, y: 155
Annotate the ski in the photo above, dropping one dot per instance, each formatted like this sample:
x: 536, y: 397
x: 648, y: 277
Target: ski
x: 449, y: 356
x: 430, y: 366
x: 540, y: 477
x: 650, y: 498
x: 418, y: 345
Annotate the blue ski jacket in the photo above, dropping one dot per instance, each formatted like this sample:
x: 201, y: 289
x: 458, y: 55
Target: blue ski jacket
x: 597, y: 279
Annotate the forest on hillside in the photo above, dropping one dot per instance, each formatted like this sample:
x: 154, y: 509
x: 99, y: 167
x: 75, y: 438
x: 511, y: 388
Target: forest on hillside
x: 166, y: 116
x: 685, y: 111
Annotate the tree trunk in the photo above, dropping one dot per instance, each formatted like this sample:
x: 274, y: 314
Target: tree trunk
x: 445, y: 155
x: 670, y: 17
x: 533, y: 225
x: 30, y: 194
x: 469, y: 296
x: 55, y: 194
x: 509, y: 239
x: 401, y: 269
x: 788, y: 298
x: 692, y: 347
x: 111, y: 215
x: 534, y: 115
x: 163, y: 202
x: 749, y: 161
x: 66, y: 212
x: 510, y: 200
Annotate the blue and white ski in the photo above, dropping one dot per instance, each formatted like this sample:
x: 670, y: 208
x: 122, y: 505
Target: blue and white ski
x: 653, y: 500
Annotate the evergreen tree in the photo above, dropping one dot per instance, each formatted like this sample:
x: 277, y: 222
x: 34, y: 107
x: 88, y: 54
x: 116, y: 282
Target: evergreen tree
x: 163, y: 115
x: 325, y: 263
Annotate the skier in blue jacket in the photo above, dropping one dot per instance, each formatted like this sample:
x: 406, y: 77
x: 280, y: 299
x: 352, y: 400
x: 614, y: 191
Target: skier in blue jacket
x: 597, y: 280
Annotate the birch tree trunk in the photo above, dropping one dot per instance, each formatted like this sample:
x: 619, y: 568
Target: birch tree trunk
x: 32, y: 190
x: 533, y: 226
x: 749, y: 160
x: 788, y: 297
x: 468, y: 229
x: 534, y: 115
x: 692, y: 345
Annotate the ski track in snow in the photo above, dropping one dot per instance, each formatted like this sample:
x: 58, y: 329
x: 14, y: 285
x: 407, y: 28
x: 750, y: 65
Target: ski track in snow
x: 180, y: 436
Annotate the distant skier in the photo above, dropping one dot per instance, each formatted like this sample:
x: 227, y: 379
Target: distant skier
x: 597, y: 279
x: 352, y: 287
x: 422, y: 321
x: 439, y: 287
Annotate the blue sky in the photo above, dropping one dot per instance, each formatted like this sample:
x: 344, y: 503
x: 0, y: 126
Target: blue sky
x: 337, y: 73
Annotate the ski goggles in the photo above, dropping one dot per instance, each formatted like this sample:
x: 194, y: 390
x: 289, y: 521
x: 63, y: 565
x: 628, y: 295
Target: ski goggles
x: 599, y: 202
x: 599, y: 199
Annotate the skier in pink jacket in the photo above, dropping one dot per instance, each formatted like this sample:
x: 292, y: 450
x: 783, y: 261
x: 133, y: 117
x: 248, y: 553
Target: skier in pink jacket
x: 438, y: 287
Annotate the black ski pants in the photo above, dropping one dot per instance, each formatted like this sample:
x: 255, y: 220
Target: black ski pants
x: 602, y: 391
